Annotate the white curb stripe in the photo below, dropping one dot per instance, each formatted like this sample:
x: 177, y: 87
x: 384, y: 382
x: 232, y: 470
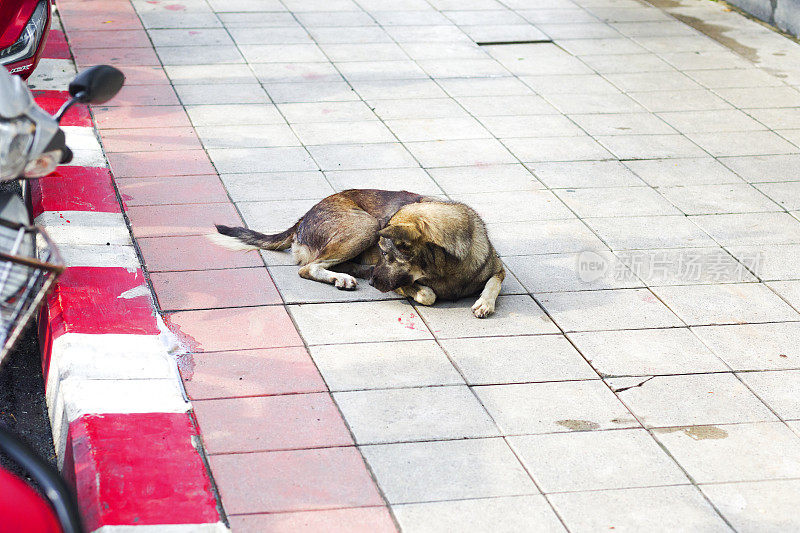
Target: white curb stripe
x: 68, y: 228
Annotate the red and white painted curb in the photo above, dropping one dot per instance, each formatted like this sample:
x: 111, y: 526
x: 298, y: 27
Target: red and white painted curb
x: 122, y: 426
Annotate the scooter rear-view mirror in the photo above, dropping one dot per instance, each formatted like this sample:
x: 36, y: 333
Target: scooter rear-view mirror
x: 95, y: 85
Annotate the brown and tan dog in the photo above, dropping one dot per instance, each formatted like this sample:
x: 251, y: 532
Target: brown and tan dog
x: 419, y: 246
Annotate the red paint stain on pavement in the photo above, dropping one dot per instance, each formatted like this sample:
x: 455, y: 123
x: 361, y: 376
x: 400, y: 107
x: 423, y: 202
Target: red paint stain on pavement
x: 175, y: 7
x: 408, y: 321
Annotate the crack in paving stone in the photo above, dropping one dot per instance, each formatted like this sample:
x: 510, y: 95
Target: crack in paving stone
x: 633, y: 386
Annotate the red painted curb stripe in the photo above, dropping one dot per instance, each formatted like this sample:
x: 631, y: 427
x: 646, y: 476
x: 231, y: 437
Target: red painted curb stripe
x: 86, y: 300
x: 138, y: 469
x: 74, y: 189
x: 50, y: 101
x: 92, y: 300
x: 56, y: 46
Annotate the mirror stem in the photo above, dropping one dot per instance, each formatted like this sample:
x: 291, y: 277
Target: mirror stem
x: 69, y: 103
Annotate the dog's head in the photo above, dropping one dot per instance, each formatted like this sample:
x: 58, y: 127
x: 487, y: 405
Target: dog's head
x: 398, y: 266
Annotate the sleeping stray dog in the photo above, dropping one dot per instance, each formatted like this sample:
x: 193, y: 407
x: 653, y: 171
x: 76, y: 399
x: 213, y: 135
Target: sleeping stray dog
x: 418, y: 246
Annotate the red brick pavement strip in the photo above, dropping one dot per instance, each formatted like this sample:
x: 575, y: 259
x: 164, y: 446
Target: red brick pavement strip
x: 122, y: 431
x: 280, y: 454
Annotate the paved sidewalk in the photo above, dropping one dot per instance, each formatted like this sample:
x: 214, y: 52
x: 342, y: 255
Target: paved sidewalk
x: 639, y: 179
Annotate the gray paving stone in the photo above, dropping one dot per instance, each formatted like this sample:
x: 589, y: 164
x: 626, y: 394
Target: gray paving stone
x: 788, y: 290
x: 438, y: 129
x: 236, y: 160
x: 199, y: 55
x: 778, y: 389
x: 414, y: 414
x: 570, y: 83
x: 651, y: 146
x: 542, y: 237
x: 690, y: 400
x: 721, y: 144
x: 619, y: 64
x: 512, y: 105
x: 297, y: 290
x: 767, y: 168
x: 571, y: 272
x: 409, y: 108
x: 486, y: 515
x: 767, y: 506
x: 682, y: 172
x: 636, y: 233
x: 357, y: 132
x: 484, y: 178
x: 750, y: 228
x: 721, y: 78
x: 580, y: 103
x: 514, y: 315
x: 313, y: 92
x: 247, y: 136
x: 619, y: 459
x: 520, y: 359
x: 582, y: 148
x: 221, y: 93
x: 384, y: 365
x: 516, y: 206
x: 734, y: 303
x: 458, y: 153
x: 761, y: 97
x: 447, y: 470
x: 273, y: 186
x: 376, y: 90
x: 736, y: 452
x: 557, y: 406
x: 362, y: 156
x: 616, y: 201
x: 769, y: 262
x: 687, y: 266
x: 281, y: 53
x: 578, y: 174
x: 234, y: 114
x: 716, y: 199
x: 646, y: 352
x: 285, y: 35
x: 410, y: 179
x: 665, y: 101
x: 607, y: 310
x: 754, y: 346
x: 653, y: 81
x: 326, y: 112
x: 275, y: 216
x: 341, y: 323
x: 295, y: 72
x: 209, y: 74
x: 722, y: 120
x: 531, y: 126
x: 660, y: 509
x: 622, y: 124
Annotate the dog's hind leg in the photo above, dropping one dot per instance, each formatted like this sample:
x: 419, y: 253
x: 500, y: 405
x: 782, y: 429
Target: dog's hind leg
x: 484, y: 306
x: 318, y: 271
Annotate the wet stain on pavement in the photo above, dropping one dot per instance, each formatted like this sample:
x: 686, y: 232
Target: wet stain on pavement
x: 697, y: 432
x: 578, y: 425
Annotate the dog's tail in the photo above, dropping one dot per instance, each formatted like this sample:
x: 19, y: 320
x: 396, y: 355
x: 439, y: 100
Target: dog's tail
x: 247, y: 239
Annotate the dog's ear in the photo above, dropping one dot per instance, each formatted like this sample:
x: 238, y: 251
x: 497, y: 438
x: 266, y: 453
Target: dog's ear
x: 401, y: 233
x: 453, y: 239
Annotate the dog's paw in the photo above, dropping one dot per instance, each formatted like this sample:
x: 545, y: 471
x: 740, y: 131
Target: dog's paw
x: 482, y: 308
x: 425, y: 296
x: 345, y: 282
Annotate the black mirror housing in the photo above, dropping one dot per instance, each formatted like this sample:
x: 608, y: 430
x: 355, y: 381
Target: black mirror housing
x: 96, y: 85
